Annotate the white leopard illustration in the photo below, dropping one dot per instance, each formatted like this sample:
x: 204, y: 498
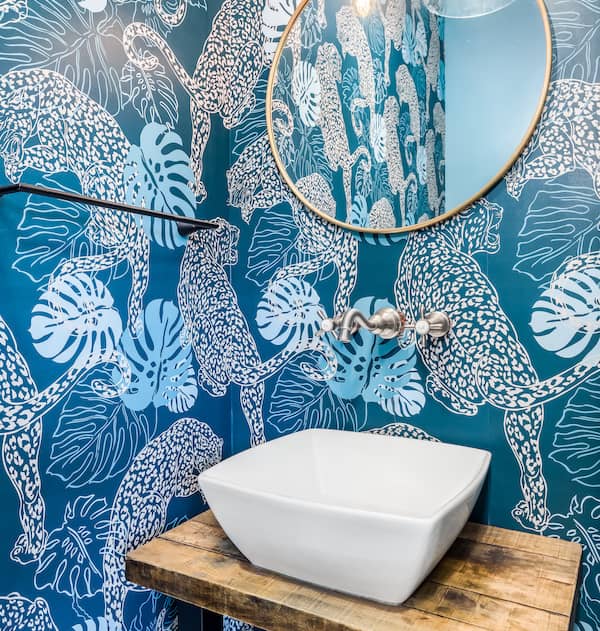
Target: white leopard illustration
x: 13, y: 11
x: 566, y: 137
x: 226, y: 73
x: 254, y: 183
x: 48, y: 125
x: 324, y: 243
x: 22, y: 407
x: 166, y: 468
x: 169, y: 15
x: 218, y: 330
x: 435, y: 197
x: 354, y: 42
x: 333, y: 126
x: 481, y: 360
x: 432, y: 68
x: 403, y: 430
x: 407, y: 93
x: 399, y: 184
x: 18, y: 613
x: 316, y: 190
x: 381, y: 215
x: 393, y: 17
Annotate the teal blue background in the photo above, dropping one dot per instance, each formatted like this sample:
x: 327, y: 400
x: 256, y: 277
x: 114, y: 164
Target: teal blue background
x: 291, y: 270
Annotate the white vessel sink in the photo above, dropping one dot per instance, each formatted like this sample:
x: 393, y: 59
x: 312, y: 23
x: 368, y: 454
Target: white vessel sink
x: 364, y: 514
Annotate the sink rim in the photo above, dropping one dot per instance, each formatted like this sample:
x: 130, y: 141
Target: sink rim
x: 478, y: 478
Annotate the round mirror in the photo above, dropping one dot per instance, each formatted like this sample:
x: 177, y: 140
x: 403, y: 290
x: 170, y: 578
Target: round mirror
x: 383, y: 117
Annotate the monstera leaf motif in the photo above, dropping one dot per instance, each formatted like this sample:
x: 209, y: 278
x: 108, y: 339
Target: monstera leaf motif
x: 414, y: 41
x: 561, y: 222
x: 581, y: 525
x: 273, y: 245
x: 299, y: 402
x: 276, y: 15
x: 162, y: 371
x: 289, y: 313
x: 99, y: 624
x: 96, y: 438
x: 150, y: 93
x: 157, y: 175
x: 83, y: 46
x: 577, y: 437
x: 380, y: 371
x: 566, y: 318
x: 48, y: 234
x: 306, y: 92
x: 75, y: 320
x: 68, y: 564
x: 378, y: 134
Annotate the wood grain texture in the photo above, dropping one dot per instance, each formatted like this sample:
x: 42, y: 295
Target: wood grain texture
x: 491, y: 578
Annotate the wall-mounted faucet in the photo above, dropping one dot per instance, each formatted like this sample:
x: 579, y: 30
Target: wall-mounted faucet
x: 387, y: 323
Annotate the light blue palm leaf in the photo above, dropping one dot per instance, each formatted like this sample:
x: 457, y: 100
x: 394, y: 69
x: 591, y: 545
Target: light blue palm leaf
x: 566, y: 318
x: 75, y: 320
x: 290, y: 313
x: 380, y: 371
x: 162, y: 371
x: 69, y: 563
x: 157, y: 175
x: 98, y: 624
x: 394, y: 382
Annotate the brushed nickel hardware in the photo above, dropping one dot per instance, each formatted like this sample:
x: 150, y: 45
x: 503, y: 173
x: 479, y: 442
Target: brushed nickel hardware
x: 387, y: 322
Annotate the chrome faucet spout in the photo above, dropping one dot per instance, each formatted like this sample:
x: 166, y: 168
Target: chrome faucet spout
x: 350, y: 322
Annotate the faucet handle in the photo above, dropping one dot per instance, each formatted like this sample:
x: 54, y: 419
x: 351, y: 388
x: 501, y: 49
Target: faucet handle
x: 434, y: 324
x: 329, y: 325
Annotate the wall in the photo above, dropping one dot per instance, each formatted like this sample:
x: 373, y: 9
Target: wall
x: 358, y: 116
x: 522, y: 315
x: 287, y: 269
x: 93, y: 466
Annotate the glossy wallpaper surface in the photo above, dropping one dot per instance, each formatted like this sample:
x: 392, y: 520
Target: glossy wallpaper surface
x: 131, y: 360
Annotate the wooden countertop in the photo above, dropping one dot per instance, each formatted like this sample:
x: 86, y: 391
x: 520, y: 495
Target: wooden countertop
x: 491, y: 578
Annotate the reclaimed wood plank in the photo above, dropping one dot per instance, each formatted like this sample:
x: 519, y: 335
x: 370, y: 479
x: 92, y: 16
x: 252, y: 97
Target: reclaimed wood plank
x: 235, y: 588
x: 516, y: 540
x: 514, y: 575
x: 488, y: 580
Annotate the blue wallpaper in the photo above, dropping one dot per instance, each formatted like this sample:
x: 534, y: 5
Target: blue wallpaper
x: 358, y: 111
x: 104, y: 424
x: 130, y: 361
x: 519, y: 275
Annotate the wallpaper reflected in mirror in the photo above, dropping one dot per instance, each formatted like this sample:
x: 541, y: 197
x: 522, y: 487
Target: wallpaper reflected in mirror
x: 384, y: 117
x: 358, y: 111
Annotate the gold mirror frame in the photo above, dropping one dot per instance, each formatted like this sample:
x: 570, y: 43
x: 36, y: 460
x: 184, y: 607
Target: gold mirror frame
x: 449, y: 213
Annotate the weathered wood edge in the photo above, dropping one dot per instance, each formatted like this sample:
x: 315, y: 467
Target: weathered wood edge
x: 241, y: 605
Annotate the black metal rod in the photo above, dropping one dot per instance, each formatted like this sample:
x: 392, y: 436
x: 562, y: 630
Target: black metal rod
x: 185, y: 225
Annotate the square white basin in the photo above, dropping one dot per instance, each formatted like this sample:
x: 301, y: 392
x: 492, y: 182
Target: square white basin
x: 361, y: 513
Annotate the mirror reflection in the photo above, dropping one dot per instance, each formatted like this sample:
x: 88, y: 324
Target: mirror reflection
x: 386, y: 117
